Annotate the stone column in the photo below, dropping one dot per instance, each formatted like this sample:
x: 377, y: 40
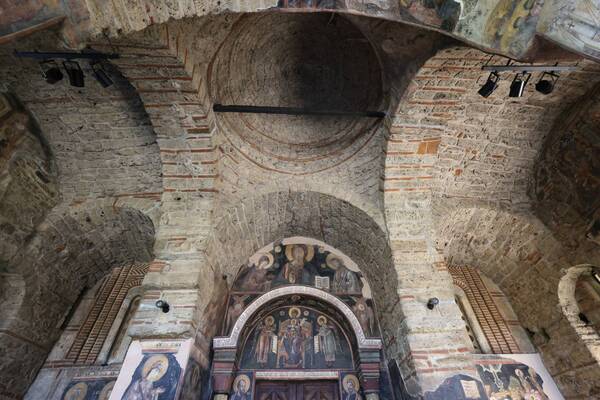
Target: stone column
x: 429, y: 344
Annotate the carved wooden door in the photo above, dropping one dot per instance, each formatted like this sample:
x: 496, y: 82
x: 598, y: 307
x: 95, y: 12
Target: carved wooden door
x: 284, y: 390
x: 323, y: 390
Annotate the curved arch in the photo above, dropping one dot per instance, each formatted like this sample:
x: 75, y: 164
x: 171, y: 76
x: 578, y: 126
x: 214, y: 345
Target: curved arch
x: 231, y: 340
x: 570, y: 308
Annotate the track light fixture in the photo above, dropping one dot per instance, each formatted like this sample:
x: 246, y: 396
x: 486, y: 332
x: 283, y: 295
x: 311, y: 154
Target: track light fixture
x: 546, y: 83
x: 518, y: 84
x: 432, y: 302
x: 75, y: 73
x: 490, y: 85
x: 101, y: 75
x: 163, y: 305
x: 50, y: 71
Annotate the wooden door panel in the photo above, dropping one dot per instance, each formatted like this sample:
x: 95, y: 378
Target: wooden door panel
x: 318, y: 391
x: 290, y: 390
x: 275, y: 391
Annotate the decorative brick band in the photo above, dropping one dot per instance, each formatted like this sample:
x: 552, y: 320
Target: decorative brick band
x: 93, y: 332
x: 495, y: 328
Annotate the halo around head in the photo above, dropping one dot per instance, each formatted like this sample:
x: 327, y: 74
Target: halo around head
x: 159, y: 360
x: 106, y: 391
x: 269, y: 263
x: 295, y: 310
x: 242, y: 378
x: 330, y: 257
x: 77, y: 391
x: 354, y: 380
x: 322, y: 320
x: 309, y: 251
x: 270, y: 320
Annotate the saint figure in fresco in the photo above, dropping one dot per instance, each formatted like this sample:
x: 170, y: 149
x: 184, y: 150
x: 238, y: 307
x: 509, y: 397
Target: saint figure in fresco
x: 143, y: 388
x: 235, y: 310
x: 365, y: 316
x: 264, y: 341
x: 293, y: 270
x: 241, y: 385
x: 256, y: 277
x: 344, y: 280
x: 293, y: 334
x: 351, y: 387
x: 327, y: 341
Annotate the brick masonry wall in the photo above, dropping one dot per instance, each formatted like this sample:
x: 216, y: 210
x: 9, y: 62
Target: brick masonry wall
x: 495, y: 328
x: 480, y: 157
x: 108, y: 177
x: 404, y: 213
x: 521, y: 255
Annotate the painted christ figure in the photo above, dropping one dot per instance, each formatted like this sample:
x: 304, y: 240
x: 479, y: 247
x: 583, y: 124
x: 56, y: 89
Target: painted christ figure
x: 293, y: 270
x: 293, y: 342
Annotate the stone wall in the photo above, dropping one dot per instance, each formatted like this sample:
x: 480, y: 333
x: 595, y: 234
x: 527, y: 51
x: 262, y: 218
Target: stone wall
x: 105, y: 162
x: 567, y: 178
x: 520, y: 254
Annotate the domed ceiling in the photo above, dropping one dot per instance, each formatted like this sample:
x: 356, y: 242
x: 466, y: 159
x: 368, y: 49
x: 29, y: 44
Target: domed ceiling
x: 319, y: 62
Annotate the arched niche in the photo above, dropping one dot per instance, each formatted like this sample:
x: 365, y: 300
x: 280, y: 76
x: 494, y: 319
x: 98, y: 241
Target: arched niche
x: 298, y: 292
x: 572, y: 311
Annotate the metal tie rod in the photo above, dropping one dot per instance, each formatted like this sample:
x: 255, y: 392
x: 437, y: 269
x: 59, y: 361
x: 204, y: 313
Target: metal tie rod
x: 529, y: 68
x: 220, y: 108
x: 92, y: 55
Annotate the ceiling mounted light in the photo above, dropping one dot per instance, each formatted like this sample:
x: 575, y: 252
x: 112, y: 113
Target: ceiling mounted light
x: 545, y: 85
x: 75, y: 73
x: 50, y: 71
x: 101, y: 76
x: 517, y: 87
x: 490, y: 85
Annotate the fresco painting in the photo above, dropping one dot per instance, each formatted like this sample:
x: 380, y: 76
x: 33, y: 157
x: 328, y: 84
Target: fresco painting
x: 89, y: 389
x: 302, y: 264
x: 154, y: 369
x: 242, y: 387
x: 155, y: 378
x: 296, y: 338
x: 573, y: 23
x: 351, y: 387
x: 497, y: 379
x: 192, y: 381
x: 507, y: 26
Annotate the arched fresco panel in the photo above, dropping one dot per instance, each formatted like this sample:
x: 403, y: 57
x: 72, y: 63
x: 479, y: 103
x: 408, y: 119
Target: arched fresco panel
x: 296, y: 337
x: 302, y: 261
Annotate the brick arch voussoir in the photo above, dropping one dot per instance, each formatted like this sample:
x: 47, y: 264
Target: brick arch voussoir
x: 570, y: 308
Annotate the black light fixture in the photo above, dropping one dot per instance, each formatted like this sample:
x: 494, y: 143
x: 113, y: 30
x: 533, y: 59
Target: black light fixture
x: 51, y: 71
x: 517, y: 87
x: 163, y: 305
x: 490, y: 85
x: 75, y: 73
x: 546, y: 83
x: 432, y: 302
x: 101, y: 75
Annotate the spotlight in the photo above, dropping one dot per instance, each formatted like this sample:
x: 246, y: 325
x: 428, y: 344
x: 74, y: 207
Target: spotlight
x: 75, y: 73
x: 163, y: 305
x: 432, y: 302
x: 518, y: 84
x: 50, y: 71
x: 545, y: 85
x: 490, y: 85
x: 101, y: 75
